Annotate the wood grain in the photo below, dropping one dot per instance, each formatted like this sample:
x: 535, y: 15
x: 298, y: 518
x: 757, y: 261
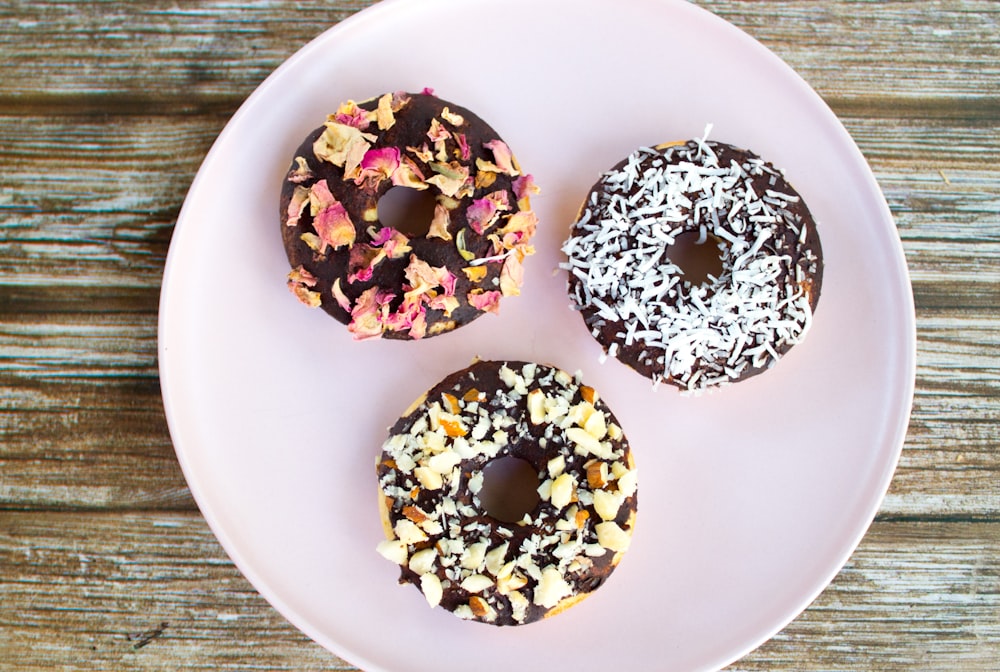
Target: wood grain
x: 154, y: 589
x: 106, y: 112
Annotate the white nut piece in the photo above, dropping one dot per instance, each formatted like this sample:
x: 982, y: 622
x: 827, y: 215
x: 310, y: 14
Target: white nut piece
x: 476, y: 583
x: 430, y: 585
x: 536, y: 406
x: 607, y: 504
x: 612, y: 537
x: 428, y: 478
x: 474, y: 555
x: 408, y: 532
x: 393, y: 550
x: 422, y: 562
x: 562, y: 491
x: 552, y: 588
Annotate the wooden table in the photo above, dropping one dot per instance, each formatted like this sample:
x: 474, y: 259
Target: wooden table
x: 106, y: 111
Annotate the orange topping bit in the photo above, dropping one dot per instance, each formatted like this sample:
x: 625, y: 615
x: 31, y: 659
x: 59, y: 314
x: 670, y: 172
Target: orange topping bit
x: 475, y: 273
x: 389, y: 463
x: 414, y: 514
x: 479, y: 606
x: 581, y: 518
x: 414, y: 492
x: 473, y: 395
x: 453, y: 426
x: 485, y: 179
x: 452, y: 402
x: 589, y: 394
x: 596, y: 476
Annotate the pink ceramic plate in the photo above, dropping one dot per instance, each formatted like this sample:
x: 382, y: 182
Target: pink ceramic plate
x: 751, y: 499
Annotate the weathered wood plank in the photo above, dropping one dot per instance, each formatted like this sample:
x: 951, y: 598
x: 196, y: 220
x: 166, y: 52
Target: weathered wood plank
x: 97, y: 199
x: 92, y: 592
x: 81, y: 419
x: 193, y: 54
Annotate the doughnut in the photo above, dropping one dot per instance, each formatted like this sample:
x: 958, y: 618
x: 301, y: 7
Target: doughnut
x: 637, y: 302
x: 384, y: 282
x: 431, y: 475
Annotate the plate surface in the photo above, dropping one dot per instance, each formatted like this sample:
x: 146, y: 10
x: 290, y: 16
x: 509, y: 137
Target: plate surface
x: 751, y: 498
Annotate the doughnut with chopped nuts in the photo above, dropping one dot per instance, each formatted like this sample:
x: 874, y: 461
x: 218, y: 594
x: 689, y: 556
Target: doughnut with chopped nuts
x: 638, y: 303
x: 430, y: 475
x: 382, y: 282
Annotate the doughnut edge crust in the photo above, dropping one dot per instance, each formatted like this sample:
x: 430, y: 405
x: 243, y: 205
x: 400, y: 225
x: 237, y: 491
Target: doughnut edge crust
x: 381, y: 282
x: 636, y: 302
x: 430, y: 471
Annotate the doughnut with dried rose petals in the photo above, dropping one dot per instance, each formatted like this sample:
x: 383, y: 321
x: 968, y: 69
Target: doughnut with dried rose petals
x: 381, y: 282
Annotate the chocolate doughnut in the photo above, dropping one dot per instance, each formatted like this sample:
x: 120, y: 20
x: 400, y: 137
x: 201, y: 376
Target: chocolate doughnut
x: 637, y: 302
x: 430, y: 476
x: 382, y: 282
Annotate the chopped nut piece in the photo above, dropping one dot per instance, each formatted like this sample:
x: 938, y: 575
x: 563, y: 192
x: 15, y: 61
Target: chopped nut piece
x: 612, y: 537
x: 589, y: 394
x: 552, y: 588
x: 595, y: 425
x: 562, y: 491
x: 408, y: 532
x: 430, y: 584
x: 474, y: 555
x: 422, y: 562
x: 556, y: 466
x: 476, y: 583
x: 607, y: 504
x: 536, y: 406
x: 481, y: 609
x: 414, y: 513
x: 597, y: 474
x: 428, y: 478
x: 393, y: 550
x: 628, y: 483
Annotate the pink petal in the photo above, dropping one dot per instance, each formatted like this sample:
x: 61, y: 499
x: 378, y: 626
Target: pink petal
x: 463, y: 146
x: 365, y: 322
x: 481, y: 214
x: 525, y: 186
x: 485, y: 301
x: 334, y: 226
x: 378, y: 164
x: 502, y: 156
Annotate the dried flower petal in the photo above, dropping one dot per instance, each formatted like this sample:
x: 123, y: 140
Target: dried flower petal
x: 511, y: 276
x: 365, y: 322
x: 386, y: 119
x: 465, y: 152
x: 452, y: 118
x: 296, y: 206
x: 339, y: 296
x: 485, y: 301
x: 437, y: 131
x: 301, y: 172
x: 330, y: 218
x: 342, y: 145
x: 502, y: 156
x: 378, y: 165
x: 350, y: 114
x: 450, y: 177
x: 481, y: 214
x: 299, y: 282
x: 439, y: 224
x: 525, y: 186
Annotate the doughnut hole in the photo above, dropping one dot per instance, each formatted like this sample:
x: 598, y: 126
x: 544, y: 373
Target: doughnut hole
x: 696, y: 261
x: 510, y: 489
x: 409, y: 211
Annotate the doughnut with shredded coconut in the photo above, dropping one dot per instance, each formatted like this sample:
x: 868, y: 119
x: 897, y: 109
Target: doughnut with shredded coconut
x: 636, y: 300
